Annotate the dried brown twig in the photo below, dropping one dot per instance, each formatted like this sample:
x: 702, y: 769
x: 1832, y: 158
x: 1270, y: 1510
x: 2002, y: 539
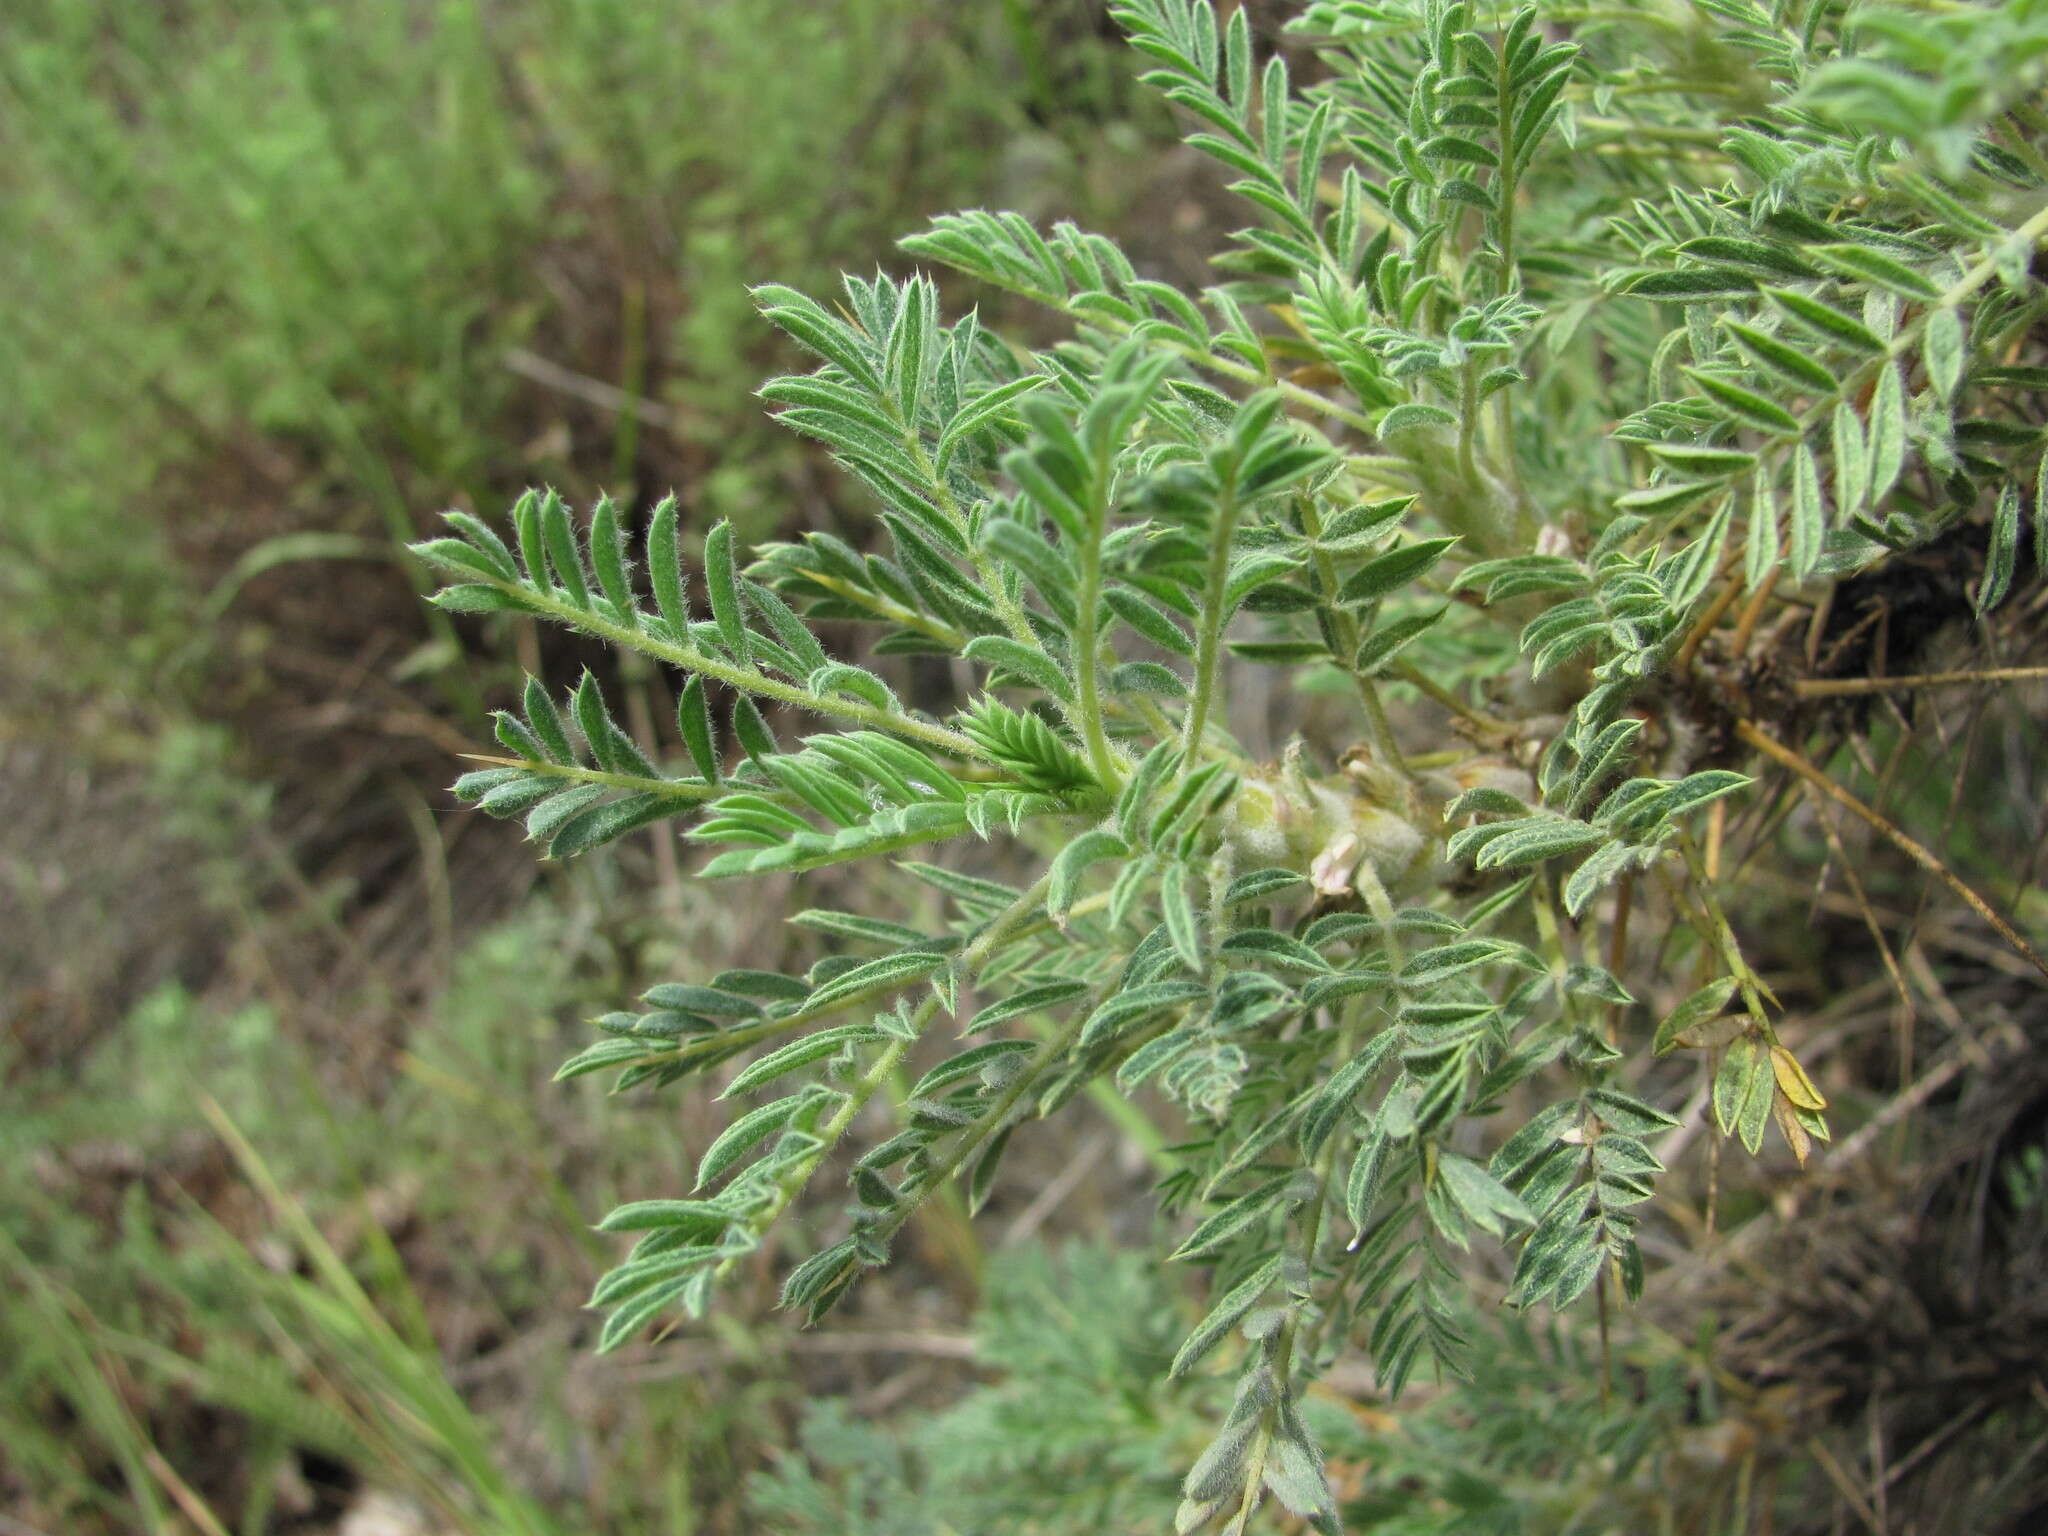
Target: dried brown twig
x: 1785, y: 757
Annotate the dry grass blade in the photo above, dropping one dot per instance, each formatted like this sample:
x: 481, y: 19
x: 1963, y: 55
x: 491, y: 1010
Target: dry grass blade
x: 1844, y: 1484
x: 1785, y: 757
x: 1865, y: 911
x: 606, y: 397
x: 1842, y: 687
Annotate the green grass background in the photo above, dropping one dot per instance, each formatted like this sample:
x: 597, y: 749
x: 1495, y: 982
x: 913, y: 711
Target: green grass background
x: 292, y: 1219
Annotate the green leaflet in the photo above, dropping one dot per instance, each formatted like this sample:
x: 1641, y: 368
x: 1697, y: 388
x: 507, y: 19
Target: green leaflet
x: 751, y: 1128
x: 887, y: 832
x: 1125, y: 1009
x: 1073, y: 862
x: 1388, y: 572
x: 1697, y: 1009
x: 657, y: 1215
x: 1031, y: 1000
x: 1223, y: 1316
x: 722, y: 584
x: 799, y: 1053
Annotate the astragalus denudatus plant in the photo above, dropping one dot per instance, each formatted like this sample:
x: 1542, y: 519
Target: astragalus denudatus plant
x: 1562, y: 350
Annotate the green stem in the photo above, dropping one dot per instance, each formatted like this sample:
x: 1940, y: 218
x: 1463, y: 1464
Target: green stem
x: 1468, y: 419
x: 1049, y: 1051
x: 1086, y: 716
x: 1153, y: 716
x: 879, y: 1072
x: 1088, y: 667
x: 1209, y: 638
x: 882, y: 608
x: 1674, y: 133
x: 1290, y: 1327
x: 1007, y: 610
x: 1416, y: 678
x: 1379, y: 730
x: 1255, y: 1473
x: 1504, y: 182
x: 1383, y: 471
x: 1543, y: 905
x: 676, y: 789
x: 1723, y: 934
x: 747, y: 679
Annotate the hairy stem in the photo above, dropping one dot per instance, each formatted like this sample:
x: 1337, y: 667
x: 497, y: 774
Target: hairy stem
x: 1379, y: 731
x: 1088, y: 667
x: 676, y: 789
x: 745, y: 678
x: 1208, y: 639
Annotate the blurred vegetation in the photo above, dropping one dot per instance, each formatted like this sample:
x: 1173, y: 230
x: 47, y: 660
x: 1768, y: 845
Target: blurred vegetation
x: 282, y: 278
x: 281, y: 256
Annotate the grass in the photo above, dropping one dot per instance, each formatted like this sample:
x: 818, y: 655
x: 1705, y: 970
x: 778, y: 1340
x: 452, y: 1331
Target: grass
x: 229, y: 1285
x: 283, y: 251
x: 291, y: 1208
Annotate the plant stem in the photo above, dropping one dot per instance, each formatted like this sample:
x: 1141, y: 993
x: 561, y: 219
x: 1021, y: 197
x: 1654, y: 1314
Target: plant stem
x: 1049, y: 1051
x: 1723, y: 934
x: 1088, y: 664
x: 882, y: 608
x: 1379, y: 731
x: 1504, y: 180
x: 1290, y: 1327
x: 1468, y: 419
x: 1086, y: 715
x: 1430, y: 688
x: 1209, y: 637
x: 745, y: 678
x: 677, y: 789
x: 1006, y: 608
